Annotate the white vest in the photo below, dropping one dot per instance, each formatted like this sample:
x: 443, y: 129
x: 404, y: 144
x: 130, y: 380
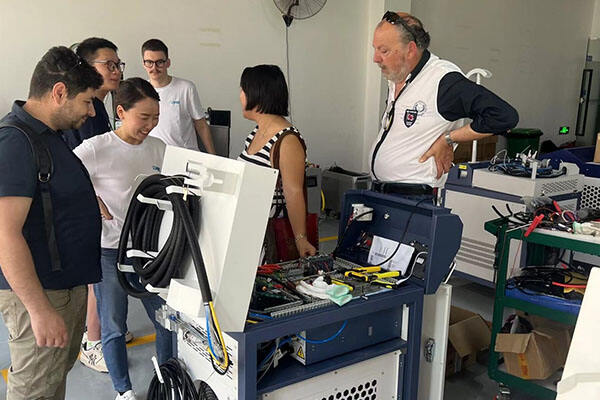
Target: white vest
x: 416, y: 125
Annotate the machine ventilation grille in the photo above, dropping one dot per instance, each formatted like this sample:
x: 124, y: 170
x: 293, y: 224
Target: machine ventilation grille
x: 476, y: 252
x: 554, y: 188
x: 364, y: 391
x: 590, y: 196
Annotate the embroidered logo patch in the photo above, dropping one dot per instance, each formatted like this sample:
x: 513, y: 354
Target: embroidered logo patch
x: 410, y: 117
x: 175, y: 102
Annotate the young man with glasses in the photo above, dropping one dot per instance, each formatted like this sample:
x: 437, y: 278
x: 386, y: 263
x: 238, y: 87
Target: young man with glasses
x: 47, y: 262
x: 182, y: 119
x: 102, y: 55
x: 428, y: 98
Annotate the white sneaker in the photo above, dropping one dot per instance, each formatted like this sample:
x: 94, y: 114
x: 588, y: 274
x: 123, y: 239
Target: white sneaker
x: 128, y: 395
x: 128, y: 337
x: 84, y: 338
x: 93, y: 357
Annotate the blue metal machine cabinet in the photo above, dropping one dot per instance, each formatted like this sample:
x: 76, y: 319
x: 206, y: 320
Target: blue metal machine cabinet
x: 384, y: 326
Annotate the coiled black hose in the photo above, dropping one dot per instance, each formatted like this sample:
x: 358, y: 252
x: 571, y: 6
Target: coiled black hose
x: 178, y: 385
x: 142, y: 225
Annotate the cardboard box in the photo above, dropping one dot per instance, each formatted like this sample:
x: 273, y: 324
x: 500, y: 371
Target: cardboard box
x: 534, y: 355
x: 486, y: 149
x: 468, y: 334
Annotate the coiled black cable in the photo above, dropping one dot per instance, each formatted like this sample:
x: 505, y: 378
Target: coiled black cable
x: 178, y: 385
x: 142, y: 225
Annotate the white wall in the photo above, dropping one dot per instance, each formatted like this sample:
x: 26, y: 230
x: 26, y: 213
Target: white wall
x: 535, y: 50
x: 596, y: 21
x: 210, y: 42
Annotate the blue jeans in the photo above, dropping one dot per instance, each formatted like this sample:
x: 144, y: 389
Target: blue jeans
x: 112, y: 309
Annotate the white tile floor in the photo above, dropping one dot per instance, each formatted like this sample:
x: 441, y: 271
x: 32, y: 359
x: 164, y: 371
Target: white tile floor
x: 84, y: 383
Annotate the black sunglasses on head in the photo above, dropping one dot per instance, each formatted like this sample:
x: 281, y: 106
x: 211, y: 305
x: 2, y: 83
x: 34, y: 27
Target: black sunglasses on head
x: 394, y: 19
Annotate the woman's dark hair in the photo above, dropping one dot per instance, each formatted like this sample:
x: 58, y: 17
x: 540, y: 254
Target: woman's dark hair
x: 132, y: 90
x: 265, y: 89
x: 60, y: 64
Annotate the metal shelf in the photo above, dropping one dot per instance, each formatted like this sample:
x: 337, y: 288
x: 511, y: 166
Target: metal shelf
x: 499, y: 228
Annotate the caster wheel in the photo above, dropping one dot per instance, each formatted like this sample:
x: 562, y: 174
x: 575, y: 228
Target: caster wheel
x: 503, y: 393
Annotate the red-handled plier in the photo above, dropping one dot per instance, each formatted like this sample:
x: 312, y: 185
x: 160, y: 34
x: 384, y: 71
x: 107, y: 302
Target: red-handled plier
x: 534, y: 224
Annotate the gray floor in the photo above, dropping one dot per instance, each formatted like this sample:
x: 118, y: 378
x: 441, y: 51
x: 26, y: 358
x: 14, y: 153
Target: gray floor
x: 84, y: 383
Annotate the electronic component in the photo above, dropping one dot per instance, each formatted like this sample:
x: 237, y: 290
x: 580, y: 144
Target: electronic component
x: 337, y: 338
x: 419, y: 258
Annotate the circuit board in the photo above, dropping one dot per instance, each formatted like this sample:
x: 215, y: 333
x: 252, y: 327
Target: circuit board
x: 274, y: 291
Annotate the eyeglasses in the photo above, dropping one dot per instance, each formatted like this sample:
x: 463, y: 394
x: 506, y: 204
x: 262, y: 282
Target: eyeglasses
x: 158, y: 63
x: 111, y: 65
x: 394, y: 19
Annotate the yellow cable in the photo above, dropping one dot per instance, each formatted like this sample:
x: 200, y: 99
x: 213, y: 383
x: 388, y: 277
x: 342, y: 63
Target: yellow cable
x: 210, y: 350
x: 322, y: 201
x: 218, y: 329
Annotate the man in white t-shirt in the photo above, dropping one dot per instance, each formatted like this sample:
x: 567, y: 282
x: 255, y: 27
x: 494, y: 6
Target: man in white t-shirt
x: 181, y: 113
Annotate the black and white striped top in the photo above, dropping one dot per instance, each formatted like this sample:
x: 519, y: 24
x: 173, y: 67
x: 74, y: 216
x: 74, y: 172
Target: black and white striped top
x: 263, y: 158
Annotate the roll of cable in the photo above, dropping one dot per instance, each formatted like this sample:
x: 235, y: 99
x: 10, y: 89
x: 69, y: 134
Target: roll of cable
x: 142, y: 226
x: 174, y: 379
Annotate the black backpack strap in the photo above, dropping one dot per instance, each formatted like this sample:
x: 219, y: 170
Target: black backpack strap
x: 45, y: 169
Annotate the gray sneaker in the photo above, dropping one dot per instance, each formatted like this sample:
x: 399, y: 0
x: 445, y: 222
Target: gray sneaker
x: 128, y: 395
x: 93, y: 357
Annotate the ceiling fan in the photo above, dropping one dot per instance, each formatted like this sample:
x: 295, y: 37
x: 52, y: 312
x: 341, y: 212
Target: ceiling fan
x: 298, y: 9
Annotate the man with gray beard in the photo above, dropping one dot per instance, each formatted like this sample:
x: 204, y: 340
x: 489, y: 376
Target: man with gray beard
x: 428, y: 99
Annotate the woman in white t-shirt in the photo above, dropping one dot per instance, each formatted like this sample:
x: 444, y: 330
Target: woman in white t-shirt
x: 113, y: 160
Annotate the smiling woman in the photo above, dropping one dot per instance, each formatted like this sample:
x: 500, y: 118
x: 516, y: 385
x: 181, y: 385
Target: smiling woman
x: 113, y: 161
x: 137, y: 107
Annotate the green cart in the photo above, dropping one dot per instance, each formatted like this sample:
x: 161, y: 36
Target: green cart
x: 539, y: 239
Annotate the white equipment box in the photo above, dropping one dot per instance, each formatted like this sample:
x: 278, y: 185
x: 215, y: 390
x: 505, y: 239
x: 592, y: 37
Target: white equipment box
x: 470, y: 192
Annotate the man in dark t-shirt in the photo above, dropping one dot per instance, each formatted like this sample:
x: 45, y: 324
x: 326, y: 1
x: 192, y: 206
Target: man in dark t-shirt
x: 101, y: 54
x: 42, y: 302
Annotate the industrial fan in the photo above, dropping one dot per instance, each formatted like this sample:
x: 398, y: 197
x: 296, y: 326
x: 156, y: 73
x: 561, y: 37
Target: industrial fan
x: 298, y: 9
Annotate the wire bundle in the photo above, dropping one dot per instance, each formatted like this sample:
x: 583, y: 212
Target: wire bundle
x: 547, y: 280
x: 517, y: 167
x: 143, y: 225
x: 177, y: 383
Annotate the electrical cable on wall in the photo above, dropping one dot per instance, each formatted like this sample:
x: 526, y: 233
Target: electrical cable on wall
x: 287, y: 69
x: 291, y: 10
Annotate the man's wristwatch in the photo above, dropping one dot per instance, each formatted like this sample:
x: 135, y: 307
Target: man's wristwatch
x: 449, y: 139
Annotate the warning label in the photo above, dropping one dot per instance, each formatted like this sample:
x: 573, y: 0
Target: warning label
x: 300, y: 352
